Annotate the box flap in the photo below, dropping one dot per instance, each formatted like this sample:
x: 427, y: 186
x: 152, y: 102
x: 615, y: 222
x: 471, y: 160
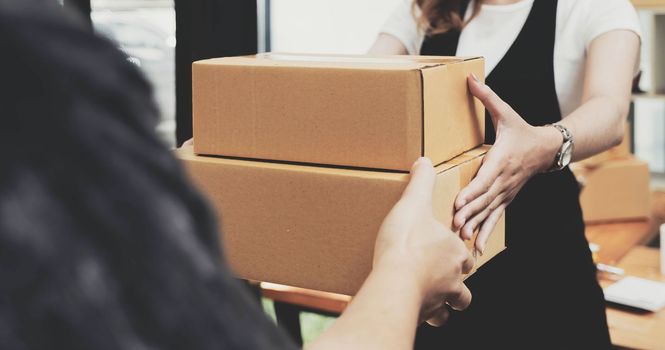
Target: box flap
x: 463, y: 158
x: 378, y: 62
x: 187, y: 153
x: 440, y: 86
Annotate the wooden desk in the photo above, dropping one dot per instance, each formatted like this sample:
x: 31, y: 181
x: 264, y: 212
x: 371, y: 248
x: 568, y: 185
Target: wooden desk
x: 617, y: 239
x: 632, y: 329
x: 311, y: 299
x: 628, y: 329
x: 617, y: 244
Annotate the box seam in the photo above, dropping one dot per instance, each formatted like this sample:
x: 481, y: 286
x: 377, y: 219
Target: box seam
x: 422, y: 112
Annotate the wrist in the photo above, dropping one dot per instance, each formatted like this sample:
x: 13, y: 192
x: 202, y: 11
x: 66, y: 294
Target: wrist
x: 551, y: 141
x: 405, y: 271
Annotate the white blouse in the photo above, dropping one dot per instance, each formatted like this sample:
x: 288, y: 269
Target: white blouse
x: 495, y: 28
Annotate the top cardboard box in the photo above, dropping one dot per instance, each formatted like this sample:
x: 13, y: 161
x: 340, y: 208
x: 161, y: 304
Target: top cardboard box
x: 355, y: 111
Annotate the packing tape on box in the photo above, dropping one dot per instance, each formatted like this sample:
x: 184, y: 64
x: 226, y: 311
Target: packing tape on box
x: 406, y: 60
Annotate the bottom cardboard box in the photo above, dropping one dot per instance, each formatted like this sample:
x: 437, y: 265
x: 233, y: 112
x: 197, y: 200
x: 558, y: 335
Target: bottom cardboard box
x: 314, y: 227
x: 615, y: 190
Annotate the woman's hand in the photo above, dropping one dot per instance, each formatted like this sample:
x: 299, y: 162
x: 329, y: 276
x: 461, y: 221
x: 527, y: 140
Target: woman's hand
x: 188, y: 143
x: 422, y: 251
x: 519, y: 152
x: 418, y: 267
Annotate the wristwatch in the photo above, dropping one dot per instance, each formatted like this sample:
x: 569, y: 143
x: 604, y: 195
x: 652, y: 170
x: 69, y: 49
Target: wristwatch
x: 565, y: 154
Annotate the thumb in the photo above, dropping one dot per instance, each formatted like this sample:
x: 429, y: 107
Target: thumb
x: 495, y: 105
x: 422, y: 181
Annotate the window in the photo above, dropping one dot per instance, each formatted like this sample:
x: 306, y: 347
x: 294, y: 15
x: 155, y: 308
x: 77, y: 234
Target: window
x: 649, y: 116
x: 327, y: 26
x: 145, y: 31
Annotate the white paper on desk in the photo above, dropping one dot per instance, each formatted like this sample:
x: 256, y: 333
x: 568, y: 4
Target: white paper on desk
x: 637, y: 292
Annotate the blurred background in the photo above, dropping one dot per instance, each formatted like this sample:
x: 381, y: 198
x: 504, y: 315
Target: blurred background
x: 145, y: 31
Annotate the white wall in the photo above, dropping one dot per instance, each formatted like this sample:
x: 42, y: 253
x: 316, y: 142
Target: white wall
x: 649, y: 132
x: 327, y: 26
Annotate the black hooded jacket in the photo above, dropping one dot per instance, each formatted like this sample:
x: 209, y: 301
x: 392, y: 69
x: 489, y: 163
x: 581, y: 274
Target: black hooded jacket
x: 104, y: 244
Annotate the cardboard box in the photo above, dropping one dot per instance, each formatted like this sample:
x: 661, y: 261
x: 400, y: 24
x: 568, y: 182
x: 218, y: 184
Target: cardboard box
x: 315, y: 227
x: 621, y: 151
x: 354, y: 111
x: 616, y: 190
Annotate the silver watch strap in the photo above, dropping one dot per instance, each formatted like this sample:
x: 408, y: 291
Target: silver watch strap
x: 567, y: 136
x: 567, y: 139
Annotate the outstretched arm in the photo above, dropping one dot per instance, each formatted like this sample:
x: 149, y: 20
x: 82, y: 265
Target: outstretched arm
x: 418, y: 267
x: 522, y: 150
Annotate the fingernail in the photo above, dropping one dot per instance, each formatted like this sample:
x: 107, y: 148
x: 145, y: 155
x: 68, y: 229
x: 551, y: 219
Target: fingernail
x: 473, y: 75
x: 425, y: 160
x: 415, y: 164
x: 421, y: 161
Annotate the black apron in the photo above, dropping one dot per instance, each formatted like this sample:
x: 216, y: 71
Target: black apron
x: 542, y: 292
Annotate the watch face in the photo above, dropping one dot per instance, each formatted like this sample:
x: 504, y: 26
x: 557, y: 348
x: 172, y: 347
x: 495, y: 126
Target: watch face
x: 566, y: 154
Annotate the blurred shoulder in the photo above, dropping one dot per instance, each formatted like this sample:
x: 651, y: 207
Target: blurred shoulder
x: 594, y: 8
x: 587, y: 19
x: 402, y: 24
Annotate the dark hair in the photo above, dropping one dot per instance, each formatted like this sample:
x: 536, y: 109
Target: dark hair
x: 440, y: 16
x: 104, y: 244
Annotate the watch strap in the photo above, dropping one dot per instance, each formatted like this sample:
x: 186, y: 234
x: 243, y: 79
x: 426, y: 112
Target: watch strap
x: 567, y: 138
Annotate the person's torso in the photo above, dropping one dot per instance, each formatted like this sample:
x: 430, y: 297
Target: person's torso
x: 494, y: 29
x: 524, y: 78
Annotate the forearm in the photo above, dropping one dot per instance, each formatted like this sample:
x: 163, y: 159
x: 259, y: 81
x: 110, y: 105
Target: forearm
x: 597, y: 125
x: 418, y: 267
x: 383, y: 315
x: 600, y: 122
x: 520, y: 150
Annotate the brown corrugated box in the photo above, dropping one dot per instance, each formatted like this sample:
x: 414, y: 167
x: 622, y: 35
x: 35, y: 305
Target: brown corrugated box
x: 314, y: 227
x: 354, y: 111
x: 616, y: 190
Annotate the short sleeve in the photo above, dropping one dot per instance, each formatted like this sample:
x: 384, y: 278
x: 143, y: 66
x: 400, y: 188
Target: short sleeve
x: 608, y: 15
x: 403, y: 25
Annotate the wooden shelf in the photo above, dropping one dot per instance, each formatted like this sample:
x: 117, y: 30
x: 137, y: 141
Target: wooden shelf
x: 649, y: 96
x: 649, y: 4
